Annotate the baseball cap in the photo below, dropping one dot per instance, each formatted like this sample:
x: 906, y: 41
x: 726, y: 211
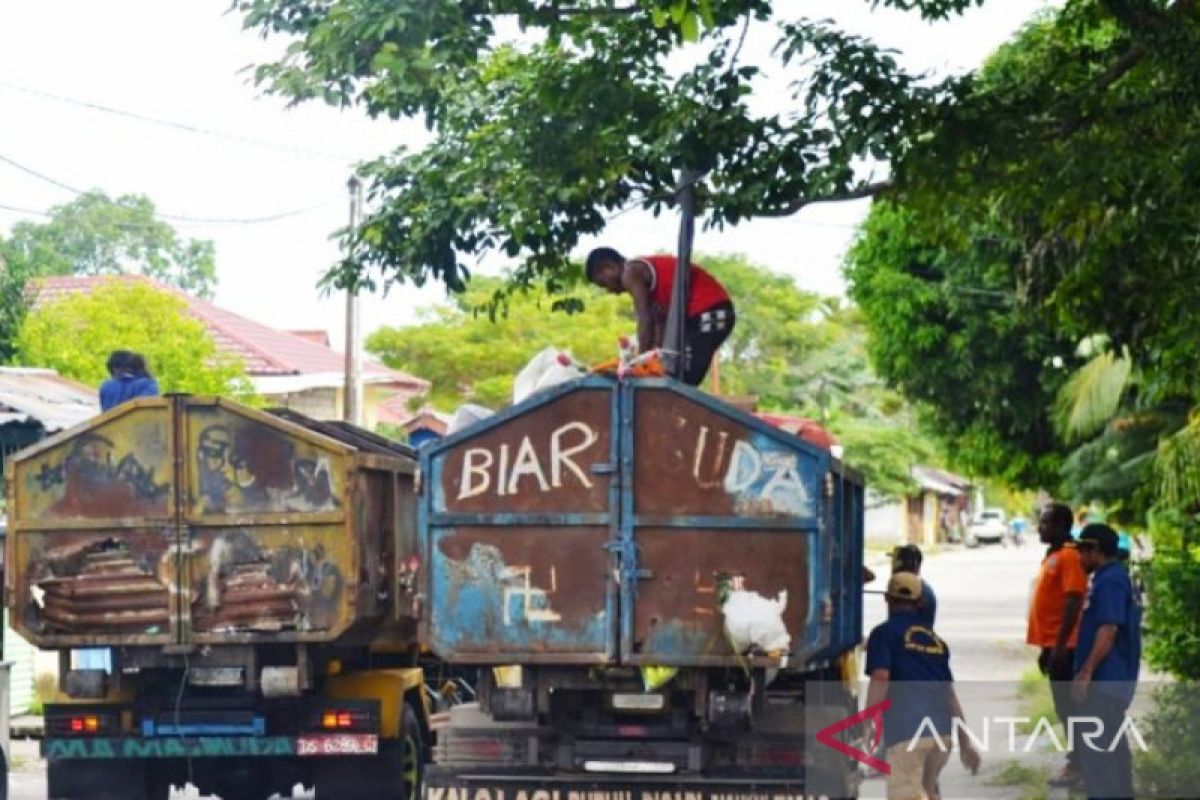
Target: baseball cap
x: 904, y: 586
x: 1101, y: 536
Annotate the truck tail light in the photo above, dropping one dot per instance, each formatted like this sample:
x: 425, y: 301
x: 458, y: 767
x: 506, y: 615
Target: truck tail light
x: 344, y: 719
x: 81, y: 724
x: 771, y: 754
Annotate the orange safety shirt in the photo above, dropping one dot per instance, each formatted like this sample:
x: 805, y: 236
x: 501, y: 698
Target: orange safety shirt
x: 1061, y: 574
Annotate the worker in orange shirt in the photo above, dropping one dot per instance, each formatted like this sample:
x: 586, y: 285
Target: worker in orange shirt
x: 1054, y: 616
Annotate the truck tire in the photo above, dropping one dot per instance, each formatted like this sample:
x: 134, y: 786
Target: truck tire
x: 118, y: 779
x: 238, y: 780
x: 394, y: 774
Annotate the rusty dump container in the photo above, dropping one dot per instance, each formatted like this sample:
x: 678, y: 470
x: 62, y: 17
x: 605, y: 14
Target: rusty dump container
x: 593, y: 523
x: 189, y: 520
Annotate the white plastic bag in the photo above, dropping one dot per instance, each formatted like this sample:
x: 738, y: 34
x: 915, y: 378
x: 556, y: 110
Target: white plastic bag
x: 548, y: 368
x: 465, y: 416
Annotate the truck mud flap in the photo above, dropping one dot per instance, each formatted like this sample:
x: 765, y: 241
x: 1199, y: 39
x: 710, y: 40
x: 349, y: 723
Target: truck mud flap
x: 439, y: 785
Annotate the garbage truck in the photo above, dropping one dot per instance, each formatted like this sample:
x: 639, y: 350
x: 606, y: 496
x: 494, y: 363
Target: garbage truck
x: 661, y: 595
x: 253, y: 579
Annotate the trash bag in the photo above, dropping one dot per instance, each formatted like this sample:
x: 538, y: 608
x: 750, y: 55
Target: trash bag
x: 466, y: 416
x: 548, y: 368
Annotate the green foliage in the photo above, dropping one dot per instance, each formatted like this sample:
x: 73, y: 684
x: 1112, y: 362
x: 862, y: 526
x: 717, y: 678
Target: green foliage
x: 537, y: 139
x: 1168, y: 767
x: 1092, y: 395
x: 949, y: 329
x: 470, y: 357
x: 75, y: 335
x: 96, y: 235
x: 14, y: 301
x: 1172, y: 581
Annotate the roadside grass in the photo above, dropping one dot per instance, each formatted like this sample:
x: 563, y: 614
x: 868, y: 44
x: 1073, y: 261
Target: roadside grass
x: 1031, y: 781
x: 1033, y: 692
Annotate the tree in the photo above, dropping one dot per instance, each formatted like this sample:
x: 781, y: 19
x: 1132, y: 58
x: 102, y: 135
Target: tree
x: 949, y: 329
x: 75, y: 335
x: 538, y: 138
x: 96, y: 235
x: 470, y: 356
x: 14, y: 302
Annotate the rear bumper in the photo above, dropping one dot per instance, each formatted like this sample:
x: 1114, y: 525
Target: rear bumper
x: 308, y: 746
x: 447, y: 784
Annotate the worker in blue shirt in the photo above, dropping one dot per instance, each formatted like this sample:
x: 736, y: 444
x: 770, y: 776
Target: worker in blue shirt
x: 128, y: 378
x: 909, y: 665
x: 1107, y: 660
x: 908, y: 558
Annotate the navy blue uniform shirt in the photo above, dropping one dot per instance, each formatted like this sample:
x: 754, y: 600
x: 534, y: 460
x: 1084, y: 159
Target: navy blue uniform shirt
x: 115, y: 391
x: 1112, y: 600
x: 913, y: 654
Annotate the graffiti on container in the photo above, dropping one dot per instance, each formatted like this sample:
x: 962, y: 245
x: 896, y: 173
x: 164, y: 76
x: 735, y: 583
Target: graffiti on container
x: 96, y: 482
x: 245, y: 588
x: 251, y: 469
x: 504, y: 470
x: 534, y: 603
x: 763, y: 481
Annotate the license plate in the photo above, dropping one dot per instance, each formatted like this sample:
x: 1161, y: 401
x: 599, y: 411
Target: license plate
x: 340, y: 744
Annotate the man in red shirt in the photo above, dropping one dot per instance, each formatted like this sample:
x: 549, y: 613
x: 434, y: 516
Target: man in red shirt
x: 649, y: 280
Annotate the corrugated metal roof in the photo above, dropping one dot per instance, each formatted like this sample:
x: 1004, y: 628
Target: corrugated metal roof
x: 44, y: 396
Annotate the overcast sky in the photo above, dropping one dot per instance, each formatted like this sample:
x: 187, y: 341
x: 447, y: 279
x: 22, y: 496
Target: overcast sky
x: 183, y: 63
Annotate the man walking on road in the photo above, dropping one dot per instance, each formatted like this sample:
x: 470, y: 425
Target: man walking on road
x: 1107, y: 662
x: 1054, y: 614
x: 908, y: 663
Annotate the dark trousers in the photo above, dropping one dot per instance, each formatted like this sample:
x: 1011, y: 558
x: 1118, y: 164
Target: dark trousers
x: 1107, y: 775
x: 1060, y: 689
x: 705, y: 333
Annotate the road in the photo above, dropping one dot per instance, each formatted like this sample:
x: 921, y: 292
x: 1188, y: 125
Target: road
x: 982, y: 597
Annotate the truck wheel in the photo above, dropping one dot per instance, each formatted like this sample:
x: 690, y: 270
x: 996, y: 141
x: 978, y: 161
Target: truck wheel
x: 234, y: 781
x: 412, y: 754
x: 118, y: 779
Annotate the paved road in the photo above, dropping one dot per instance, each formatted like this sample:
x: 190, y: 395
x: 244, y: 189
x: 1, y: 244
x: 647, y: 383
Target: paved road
x: 982, y: 597
x: 982, y: 600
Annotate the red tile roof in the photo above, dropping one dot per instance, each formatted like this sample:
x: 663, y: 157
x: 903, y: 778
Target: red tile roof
x: 264, y: 350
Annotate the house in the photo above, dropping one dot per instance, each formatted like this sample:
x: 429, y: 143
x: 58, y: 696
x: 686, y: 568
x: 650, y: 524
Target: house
x: 34, y: 403
x: 934, y: 511
x: 426, y: 425
x: 290, y: 369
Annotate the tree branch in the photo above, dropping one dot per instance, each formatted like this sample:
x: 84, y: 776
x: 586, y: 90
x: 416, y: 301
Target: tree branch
x: 857, y: 193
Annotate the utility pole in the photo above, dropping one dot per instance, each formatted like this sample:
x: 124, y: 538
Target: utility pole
x: 352, y: 389
x: 675, y: 335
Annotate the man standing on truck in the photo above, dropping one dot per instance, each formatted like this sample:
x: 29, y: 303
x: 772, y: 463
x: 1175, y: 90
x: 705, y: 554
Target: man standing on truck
x: 1054, y: 614
x: 907, y: 662
x: 649, y: 280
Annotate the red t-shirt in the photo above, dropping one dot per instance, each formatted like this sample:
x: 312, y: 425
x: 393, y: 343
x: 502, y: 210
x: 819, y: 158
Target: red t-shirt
x: 704, y: 291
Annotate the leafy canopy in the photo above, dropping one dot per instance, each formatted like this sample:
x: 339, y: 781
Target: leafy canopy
x: 97, y: 235
x: 549, y: 116
x: 75, y: 334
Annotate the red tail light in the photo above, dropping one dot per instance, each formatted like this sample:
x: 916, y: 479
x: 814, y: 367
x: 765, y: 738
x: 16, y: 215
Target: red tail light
x: 80, y: 724
x: 343, y: 720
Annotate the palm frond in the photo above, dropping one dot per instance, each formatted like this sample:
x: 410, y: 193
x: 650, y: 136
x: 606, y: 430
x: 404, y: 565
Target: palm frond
x: 1092, y: 395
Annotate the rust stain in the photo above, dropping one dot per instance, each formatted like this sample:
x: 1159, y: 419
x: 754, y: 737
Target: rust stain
x: 101, y: 587
x: 684, y: 563
x: 570, y: 563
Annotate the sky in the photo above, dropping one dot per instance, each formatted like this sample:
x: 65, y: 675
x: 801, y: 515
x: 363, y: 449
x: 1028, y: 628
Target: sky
x: 197, y: 137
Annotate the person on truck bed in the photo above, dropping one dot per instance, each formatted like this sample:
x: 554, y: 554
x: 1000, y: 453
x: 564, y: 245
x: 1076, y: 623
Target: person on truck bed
x: 128, y: 378
x: 649, y: 280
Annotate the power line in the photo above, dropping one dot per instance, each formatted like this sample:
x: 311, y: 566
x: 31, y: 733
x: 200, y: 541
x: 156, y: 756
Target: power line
x: 182, y: 126
x: 181, y: 218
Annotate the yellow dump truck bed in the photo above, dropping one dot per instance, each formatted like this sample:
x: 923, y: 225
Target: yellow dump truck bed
x: 191, y: 521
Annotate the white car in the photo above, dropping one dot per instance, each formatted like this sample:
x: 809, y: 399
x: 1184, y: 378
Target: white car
x: 990, y: 525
